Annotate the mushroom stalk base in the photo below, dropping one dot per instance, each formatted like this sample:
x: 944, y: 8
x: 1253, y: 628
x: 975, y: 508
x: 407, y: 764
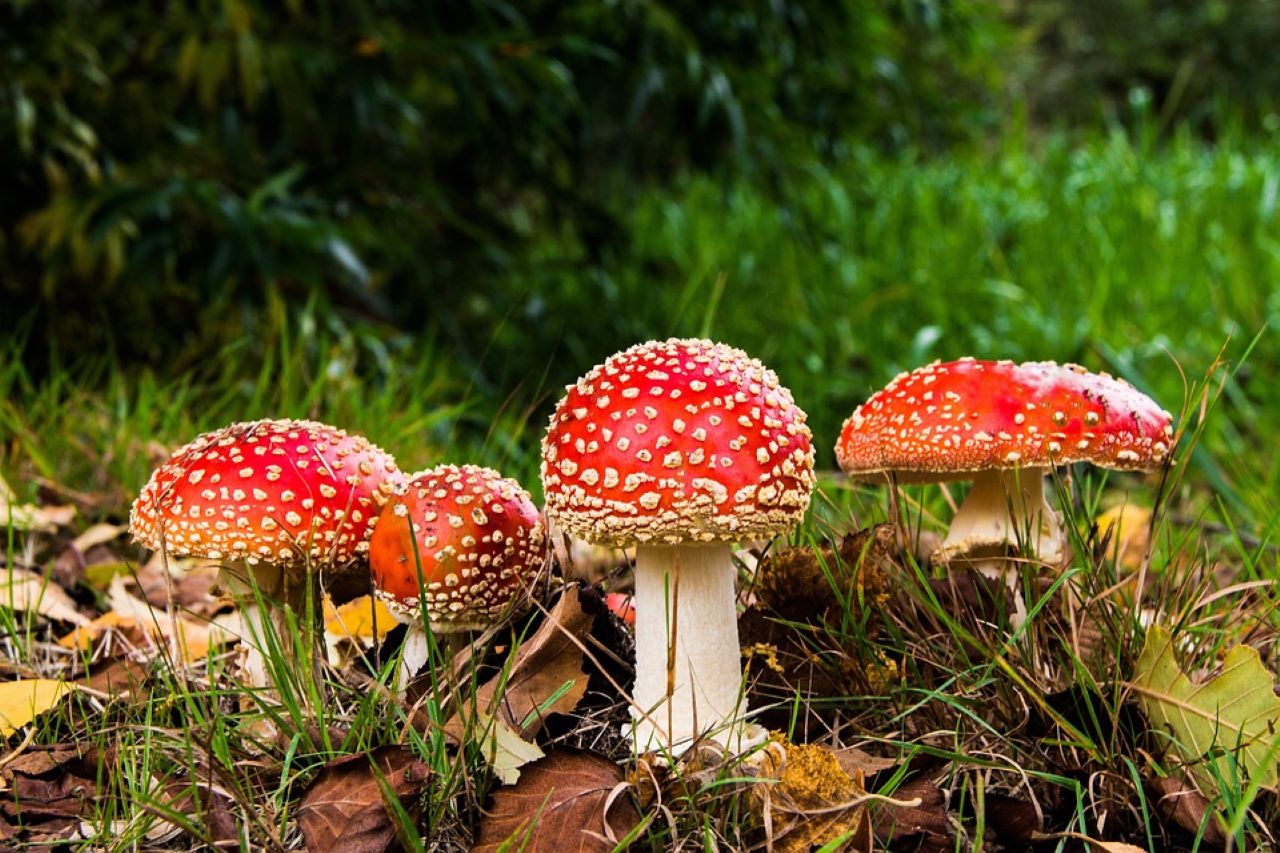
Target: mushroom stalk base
x: 688, y: 663
x: 1004, y: 509
x: 267, y: 628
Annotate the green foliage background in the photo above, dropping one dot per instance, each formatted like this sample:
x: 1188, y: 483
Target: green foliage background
x: 844, y: 188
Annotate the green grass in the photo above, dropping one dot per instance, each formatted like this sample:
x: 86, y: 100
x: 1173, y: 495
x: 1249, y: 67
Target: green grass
x: 1161, y: 265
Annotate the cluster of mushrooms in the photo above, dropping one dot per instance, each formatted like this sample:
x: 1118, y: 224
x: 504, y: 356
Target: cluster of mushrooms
x: 680, y: 448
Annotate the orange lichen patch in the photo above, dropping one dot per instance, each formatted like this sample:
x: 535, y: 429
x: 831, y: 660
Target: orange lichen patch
x: 272, y: 491
x: 947, y: 419
x: 476, y: 535
x: 674, y: 441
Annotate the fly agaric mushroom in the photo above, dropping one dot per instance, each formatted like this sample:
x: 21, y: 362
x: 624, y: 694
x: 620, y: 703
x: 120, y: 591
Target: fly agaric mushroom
x: 1004, y: 426
x: 680, y: 447
x: 273, y: 500
x: 477, y: 538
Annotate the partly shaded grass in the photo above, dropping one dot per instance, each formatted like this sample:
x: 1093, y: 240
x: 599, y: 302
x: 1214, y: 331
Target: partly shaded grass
x: 1145, y: 262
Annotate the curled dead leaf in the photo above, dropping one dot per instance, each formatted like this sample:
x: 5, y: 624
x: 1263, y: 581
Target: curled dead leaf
x: 346, y: 807
x: 1189, y: 809
x: 545, y: 678
x: 566, y: 801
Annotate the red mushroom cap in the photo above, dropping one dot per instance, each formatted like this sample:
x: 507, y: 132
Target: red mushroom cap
x: 675, y: 441
x: 479, y: 541
x: 272, y: 491
x: 944, y: 420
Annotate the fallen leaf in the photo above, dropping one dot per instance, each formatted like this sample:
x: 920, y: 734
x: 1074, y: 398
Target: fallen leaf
x: 100, y: 575
x: 506, y: 751
x: 33, y: 518
x: 120, y: 676
x: 1129, y: 526
x: 98, y: 534
x: 923, y: 827
x: 361, y: 622
x: 1236, y: 712
x: 24, y: 590
x: 567, y: 801
x: 1013, y: 821
x: 186, y: 637
x: 1189, y: 809
x: 50, y: 790
x: 365, y: 619
x: 546, y: 676
x: 23, y: 701
x: 346, y: 807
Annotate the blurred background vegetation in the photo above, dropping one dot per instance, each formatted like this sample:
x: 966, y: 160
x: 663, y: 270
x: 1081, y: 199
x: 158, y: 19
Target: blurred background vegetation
x: 513, y: 191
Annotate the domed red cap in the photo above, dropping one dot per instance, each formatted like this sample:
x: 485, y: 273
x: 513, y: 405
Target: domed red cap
x: 277, y: 491
x: 948, y: 419
x: 479, y: 541
x: 677, y: 441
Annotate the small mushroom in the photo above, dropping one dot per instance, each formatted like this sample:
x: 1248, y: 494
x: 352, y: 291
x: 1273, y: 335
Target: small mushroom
x: 273, y: 501
x: 1004, y: 426
x: 477, y: 538
x: 681, y: 448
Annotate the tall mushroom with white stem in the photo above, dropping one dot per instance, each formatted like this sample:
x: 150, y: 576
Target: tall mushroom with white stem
x: 681, y: 448
x: 1005, y: 426
x: 273, y: 501
x: 477, y: 539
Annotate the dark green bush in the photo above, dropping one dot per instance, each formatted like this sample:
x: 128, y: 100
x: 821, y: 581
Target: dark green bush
x: 166, y: 164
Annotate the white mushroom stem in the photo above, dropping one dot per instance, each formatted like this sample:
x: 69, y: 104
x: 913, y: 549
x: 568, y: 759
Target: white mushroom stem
x: 1004, y: 508
x: 279, y: 588
x: 688, y: 663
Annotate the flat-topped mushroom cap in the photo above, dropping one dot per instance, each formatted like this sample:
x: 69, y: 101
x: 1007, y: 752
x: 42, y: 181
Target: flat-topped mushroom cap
x: 479, y: 542
x: 677, y: 441
x: 946, y: 420
x: 276, y: 491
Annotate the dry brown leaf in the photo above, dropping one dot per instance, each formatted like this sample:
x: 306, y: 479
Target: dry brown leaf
x: 567, y: 802
x: 544, y: 665
x: 1013, y: 821
x: 1189, y: 808
x: 118, y: 677
x: 926, y: 825
x: 344, y: 807
x: 49, y: 790
x: 24, y: 590
x: 33, y: 518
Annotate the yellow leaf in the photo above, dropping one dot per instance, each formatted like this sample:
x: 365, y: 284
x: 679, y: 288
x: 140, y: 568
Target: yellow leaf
x: 23, y: 590
x: 366, y: 619
x: 23, y: 701
x: 1130, y: 527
